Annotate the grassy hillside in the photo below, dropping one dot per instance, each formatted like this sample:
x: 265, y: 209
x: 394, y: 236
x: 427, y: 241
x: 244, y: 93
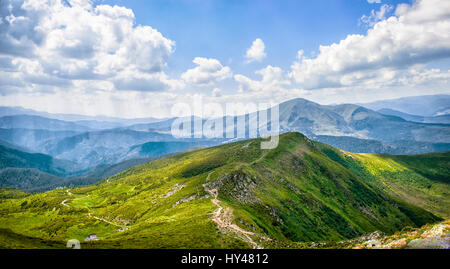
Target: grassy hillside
x: 237, y: 196
x: 402, y: 147
x: 422, y: 180
x: 429, y: 236
x: 36, y: 172
x: 10, y: 157
x: 8, y: 193
x: 29, y: 179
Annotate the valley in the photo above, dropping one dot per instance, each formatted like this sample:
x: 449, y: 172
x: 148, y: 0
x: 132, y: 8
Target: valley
x: 339, y: 174
x: 76, y: 148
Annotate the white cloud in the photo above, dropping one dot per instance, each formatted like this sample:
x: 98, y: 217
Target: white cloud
x: 87, y: 59
x: 256, y: 51
x: 376, y: 16
x: 137, y: 81
x: 417, y: 35
x: 374, y: 1
x: 60, y: 43
x: 207, y: 72
x: 272, y: 79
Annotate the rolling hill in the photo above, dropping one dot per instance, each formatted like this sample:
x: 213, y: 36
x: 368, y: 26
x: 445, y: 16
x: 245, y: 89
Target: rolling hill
x: 347, y: 126
x: 29, y: 179
x: 359, y: 145
x: 312, y: 119
x: 153, y: 149
x: 445, y: 119
x: 115, y: 145
x: 426, y: 105
x: 33, y: 139
x: 239, y: 196
x: 36, y: 172
x: 14, y: 158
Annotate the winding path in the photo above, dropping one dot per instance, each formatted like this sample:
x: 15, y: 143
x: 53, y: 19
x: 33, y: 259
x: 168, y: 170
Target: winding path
x: 122, y: 228
x: 222, y: 217
x: 64, y: 202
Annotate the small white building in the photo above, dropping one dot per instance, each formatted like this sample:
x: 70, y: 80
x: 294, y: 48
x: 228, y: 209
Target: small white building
x: 92, y: 237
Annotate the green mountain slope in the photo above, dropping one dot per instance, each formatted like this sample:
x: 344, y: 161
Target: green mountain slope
x: 422, y: 180
x: 354, y: 144
x: 32, y: 171
x: 235, y: 196
x: 36, y: 172
x: 29, y: 179
x: 112, y: 146
x: 10, y: 157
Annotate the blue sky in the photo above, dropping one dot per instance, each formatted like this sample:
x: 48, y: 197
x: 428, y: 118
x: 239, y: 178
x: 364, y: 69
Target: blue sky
x: 140, y: 58
x: 223, y: 29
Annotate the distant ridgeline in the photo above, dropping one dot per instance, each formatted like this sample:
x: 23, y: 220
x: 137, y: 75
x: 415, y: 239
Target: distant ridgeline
x: 41, y: 151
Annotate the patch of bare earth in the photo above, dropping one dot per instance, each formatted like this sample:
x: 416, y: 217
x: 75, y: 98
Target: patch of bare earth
x: 223, y: 218
x: 434, y: 236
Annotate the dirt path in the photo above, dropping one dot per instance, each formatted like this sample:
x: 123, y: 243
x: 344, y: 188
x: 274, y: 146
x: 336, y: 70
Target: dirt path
x: 64, y: 202
x: 246, y: 145
x: 223, y: 218
x: 122, y: 228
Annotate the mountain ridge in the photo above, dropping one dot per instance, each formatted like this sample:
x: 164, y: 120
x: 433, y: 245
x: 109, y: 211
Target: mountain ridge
x: 342, y: 125
x: 423, y: 105
x: 302, y: 191
x: 40, y: 123
x: 443, y: 119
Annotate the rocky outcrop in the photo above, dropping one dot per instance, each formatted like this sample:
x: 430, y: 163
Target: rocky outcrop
x: 238, y: 186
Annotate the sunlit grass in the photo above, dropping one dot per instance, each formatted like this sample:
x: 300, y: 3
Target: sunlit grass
x: 300, y: 191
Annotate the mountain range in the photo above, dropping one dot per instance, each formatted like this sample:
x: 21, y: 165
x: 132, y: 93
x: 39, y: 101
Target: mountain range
x: 425, y: 119
x: 82, y: 119
x: 237, y: 196
x: 134, y: 185
x: 356, y: 121
x: 425, y: 105
x: 85, y: 143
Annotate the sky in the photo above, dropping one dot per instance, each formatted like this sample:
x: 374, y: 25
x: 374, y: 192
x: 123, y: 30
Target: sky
x: 139, y: 58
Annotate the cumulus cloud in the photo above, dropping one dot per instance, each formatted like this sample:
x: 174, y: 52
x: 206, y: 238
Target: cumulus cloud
x: 206, y: 72
x: 272, y: 79
x: 256, y: 51
x: 72, y: 56
x: 415, y: 36
x: 374, y: 1
x: 376, y: 16
x: 61, y: 41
